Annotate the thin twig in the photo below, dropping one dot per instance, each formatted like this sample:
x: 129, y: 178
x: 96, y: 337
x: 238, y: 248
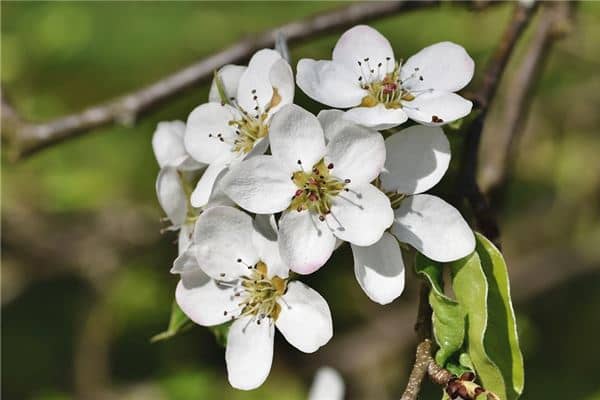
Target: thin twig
x: 553, y: 24
x: 485, y: 217
x: 27, y: 138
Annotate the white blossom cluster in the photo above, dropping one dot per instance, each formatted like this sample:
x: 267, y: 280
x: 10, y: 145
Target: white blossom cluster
x: 263, y: 191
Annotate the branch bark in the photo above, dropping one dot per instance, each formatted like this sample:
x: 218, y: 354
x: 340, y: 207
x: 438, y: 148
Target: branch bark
x: 26, y: 138
x: 468, y: 188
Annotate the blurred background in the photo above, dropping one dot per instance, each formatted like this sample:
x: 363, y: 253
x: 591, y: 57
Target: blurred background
x: 85, y: 279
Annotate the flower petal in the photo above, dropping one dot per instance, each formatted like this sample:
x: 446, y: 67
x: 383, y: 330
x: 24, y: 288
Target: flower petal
x: 358, y: 154
x: 204, y: 188
x: 379, y: 269
x: 204, y: 125
x: 185, y: 237
x: 186, y: 262
x: 203, y: 300
x: 444, y: 66
x: 329, y: 83
x: 296, y: 136
x: 249, y: 353
x: 305, y: 243
x: 433, y: 227
x: 255, y: 88
x: 361, y: 215
x: 437, y: 108
x: 230, y: 77
x: 333, y: 123
x: 171, y: 196
x: 377, y: 117
x: 259, y: 185
x: 167, y: 143
x: 223, y: 242
x: 366, y: 51
x: 282, y: 79
x: 327, y: 385
x: 417, y: 159
x: 268, y: 251
x: 305, y: 318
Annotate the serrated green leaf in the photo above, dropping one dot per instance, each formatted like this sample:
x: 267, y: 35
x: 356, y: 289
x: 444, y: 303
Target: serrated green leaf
x: 471, y: 290
x: 501, y: 338
x: 179, y: 322
x: 448, y: 315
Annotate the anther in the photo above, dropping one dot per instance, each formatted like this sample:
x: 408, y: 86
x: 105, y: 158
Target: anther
x: 253, y: 91
x: 330, y: 166
x: 347, y: 180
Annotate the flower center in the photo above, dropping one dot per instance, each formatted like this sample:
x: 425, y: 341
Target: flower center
x: 249, y: 129
x: 316, y: 189
x: 259, y: 294
x: 384, y: 85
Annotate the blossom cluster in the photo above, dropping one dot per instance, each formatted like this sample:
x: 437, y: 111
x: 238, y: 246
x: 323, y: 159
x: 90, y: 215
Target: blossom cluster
x: 262, y: 191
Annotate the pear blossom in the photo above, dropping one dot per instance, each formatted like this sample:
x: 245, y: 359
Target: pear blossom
x: 417, y: 159
x: 324, y: 191
x: 243, y: 280
x: 234, y: 124
x: 167, y: 143
x: 327, y: 385
x: 381, y: 91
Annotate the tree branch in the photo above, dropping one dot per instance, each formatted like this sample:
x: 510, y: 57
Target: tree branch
x: 26, y: 138
x: 554, y: 23
x: 484, y: 215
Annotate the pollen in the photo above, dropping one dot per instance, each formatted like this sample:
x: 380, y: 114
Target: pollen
x: 316, y: 189
x: 260, y: 294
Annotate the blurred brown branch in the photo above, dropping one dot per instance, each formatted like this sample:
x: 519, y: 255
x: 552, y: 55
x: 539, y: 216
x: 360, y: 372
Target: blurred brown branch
x: 467, y: 187
x: 26, y: 138
x: 554, y: 23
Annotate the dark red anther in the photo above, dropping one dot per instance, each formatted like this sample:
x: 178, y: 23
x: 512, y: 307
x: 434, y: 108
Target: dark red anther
x: 330, y: 166
x: 298, y: 192
x: 312, y: 197
x: 390, y: 88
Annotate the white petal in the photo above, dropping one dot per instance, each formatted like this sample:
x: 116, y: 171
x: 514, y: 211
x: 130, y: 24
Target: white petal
x: 204, y: 187
x: 369, y: 47
x: 444, y: 66
x: 333, y: 123
x: 255, y: 81
x: 266, y: 225
x: 437, y: 108
x: 186, y: 261
x: 305, y: 243
x: 282, y: 79
x: 327, y: 385
x: 203, y: 300
x: 171, y: 196
x: 204, y: 124
x: 218, y: 196
x: 417, y: 159
x: 185, y: 237
x: 268, y: 251
x: 230, y: 77
x: 377, y: 117
x: 379, y: 269
x: 260, y: 185
x: 329, y: 83
x: 296, y: 135
x: 249, y: 353
x: 357, y: 153
x: 167, y: 143
x: 361, y: 215
x: 434, y: 228
x: 223, y: 242
x: 305, y: 318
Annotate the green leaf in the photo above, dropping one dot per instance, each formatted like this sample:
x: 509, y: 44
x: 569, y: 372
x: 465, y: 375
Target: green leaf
x: 471, y: 288
x: 178, y: 323
x: 448, y: 315
x: 501, y: 338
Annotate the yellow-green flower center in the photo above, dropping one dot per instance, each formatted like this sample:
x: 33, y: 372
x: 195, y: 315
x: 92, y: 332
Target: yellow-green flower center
x: 259, y: 294
x: 316, y: 189
x: 248, y: 131
x: 387, y: 91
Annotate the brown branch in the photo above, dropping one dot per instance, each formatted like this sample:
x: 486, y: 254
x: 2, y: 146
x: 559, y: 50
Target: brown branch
x: 27, y: 138
x: 554, y: 23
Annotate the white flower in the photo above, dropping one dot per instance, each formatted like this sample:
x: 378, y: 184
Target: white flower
x: 244, y: 280
x: 323, y: 190
x: 418, y: 158
x: 380, y: 91
x: 167, y: 143
x: 327, y: 385
x: 220, y: 133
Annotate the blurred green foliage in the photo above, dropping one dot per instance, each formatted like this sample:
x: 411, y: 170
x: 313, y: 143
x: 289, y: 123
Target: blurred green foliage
x: 85, y: 268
